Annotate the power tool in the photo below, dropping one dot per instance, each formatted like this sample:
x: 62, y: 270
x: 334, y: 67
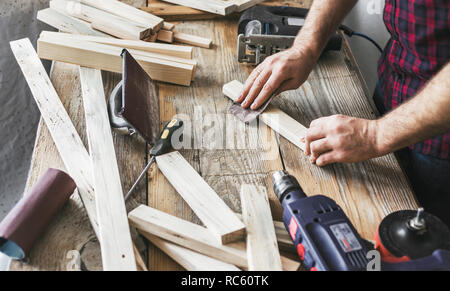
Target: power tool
x: 326, y: 239
x: 323, y: 235
x: 265, y: 30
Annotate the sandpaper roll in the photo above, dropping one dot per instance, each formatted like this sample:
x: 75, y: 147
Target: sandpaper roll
x: 25, y: 223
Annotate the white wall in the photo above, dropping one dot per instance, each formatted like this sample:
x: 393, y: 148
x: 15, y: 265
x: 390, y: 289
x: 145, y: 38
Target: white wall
x: 367, y: 17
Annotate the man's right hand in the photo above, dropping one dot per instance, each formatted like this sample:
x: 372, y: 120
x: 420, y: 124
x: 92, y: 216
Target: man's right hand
x: 283, y: 71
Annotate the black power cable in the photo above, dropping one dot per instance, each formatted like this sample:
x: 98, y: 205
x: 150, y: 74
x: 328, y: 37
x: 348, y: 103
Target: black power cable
x: 350, y: 32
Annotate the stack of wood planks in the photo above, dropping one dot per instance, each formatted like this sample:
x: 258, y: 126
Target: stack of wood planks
x: 220, y: 7
x: 102, y: 28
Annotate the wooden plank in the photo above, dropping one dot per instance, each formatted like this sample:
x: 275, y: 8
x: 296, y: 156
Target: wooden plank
x: 187, y: 234
x: 114, y: 232
x: 62, y: 130
x: 177, y: 51
x: 245, y: 4
x: 105, y: 57
x: 262, y: 247
x: 165, y: 36
x: 194, y: 40
x: 173, y: 12
x: 213, y: 6
x: 128, y: 12
x: 66, y: 23
x: 101, y: 20
x: 121, y: 29
x: 273, y: 117
x: 168, y: 26
x: 203, y: 200
x: 140, y: 264
x: 289, y: 264
x: 190, y: 260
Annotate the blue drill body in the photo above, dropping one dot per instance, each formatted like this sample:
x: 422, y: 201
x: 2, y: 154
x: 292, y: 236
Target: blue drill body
x: 324, y: 237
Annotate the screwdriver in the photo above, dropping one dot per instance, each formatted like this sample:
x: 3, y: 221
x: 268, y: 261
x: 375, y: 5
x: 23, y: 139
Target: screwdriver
x: 162, y: 146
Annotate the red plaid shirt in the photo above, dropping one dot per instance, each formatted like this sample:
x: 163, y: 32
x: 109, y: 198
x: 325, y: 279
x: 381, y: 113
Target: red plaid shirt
x: 419, y: 47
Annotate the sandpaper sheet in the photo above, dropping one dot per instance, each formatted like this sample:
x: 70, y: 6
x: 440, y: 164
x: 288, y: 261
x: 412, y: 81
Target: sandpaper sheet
x: 248, y: 115
x: 140, y: 102
x: 25, y: 223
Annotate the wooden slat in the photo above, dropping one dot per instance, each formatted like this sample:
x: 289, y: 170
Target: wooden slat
x: 194, y: 40
x: 186, y: 234
x: 213, y: 6
x: 114, y: 232
x: 64, y: 134
x: 190, y: 260
x: 177, y: 51
x: 262, y: 247
x: 173, y: 12
x: 245, y: 4
x: 121, y: 29
x: 168, y: 26
x: 273, y: 117
x: 203, y: 200
x: 101, y: 20
x: 128, y: 12
x: 66, y: 23
x: 105, y: 57
x: 165, y: 36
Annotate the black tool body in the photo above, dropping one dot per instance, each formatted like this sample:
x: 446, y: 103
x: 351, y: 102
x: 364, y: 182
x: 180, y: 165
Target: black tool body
x: 280, y: 20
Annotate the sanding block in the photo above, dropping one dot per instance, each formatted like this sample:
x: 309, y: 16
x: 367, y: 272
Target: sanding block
x: 26, y: 222
x: 248, y: 115
x: 133, y: 106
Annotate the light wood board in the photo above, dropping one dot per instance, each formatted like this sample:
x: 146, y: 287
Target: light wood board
x: 194, y: 40
x: 114, y: 232
x: 190, y: 260
x: 177, y: 51
x: 67, y: 23
x: 74, y: 154
x: 203, y: 200
x: 262, y: 247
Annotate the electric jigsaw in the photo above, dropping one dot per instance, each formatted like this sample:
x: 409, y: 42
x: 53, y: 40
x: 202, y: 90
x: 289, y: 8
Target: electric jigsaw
x: 264, y: 31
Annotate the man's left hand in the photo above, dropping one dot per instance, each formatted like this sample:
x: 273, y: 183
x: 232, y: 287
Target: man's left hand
x: 342, y: 139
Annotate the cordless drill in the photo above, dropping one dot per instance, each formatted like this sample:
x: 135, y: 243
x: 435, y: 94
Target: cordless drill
x: 323, y: 235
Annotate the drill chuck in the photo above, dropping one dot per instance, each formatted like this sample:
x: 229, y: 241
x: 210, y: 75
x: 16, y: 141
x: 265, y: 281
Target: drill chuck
x: 283, y: 183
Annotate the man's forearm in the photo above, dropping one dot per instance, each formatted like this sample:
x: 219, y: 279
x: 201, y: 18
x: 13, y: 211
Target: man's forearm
x: 424, y: 116
x: 323, y: 19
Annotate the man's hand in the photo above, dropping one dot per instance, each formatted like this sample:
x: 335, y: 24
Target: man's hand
x: 341, y: 138
x: 283, y: 71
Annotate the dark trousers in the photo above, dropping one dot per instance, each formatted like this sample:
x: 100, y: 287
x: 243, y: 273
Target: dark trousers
x: 429, y: 176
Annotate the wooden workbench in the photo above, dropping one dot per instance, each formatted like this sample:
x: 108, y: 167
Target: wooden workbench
x: 366, y: 191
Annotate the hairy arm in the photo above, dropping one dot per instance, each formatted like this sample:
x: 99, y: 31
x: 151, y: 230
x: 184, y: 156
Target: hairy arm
x: 289, y: 69
x: 340, y: 138
x: 423, y: 117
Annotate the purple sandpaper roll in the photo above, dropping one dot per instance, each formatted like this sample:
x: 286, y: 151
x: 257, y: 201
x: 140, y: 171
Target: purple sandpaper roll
x: 26, y: 222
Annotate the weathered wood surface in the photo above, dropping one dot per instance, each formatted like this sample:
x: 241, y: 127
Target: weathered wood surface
x: 366, y: 191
